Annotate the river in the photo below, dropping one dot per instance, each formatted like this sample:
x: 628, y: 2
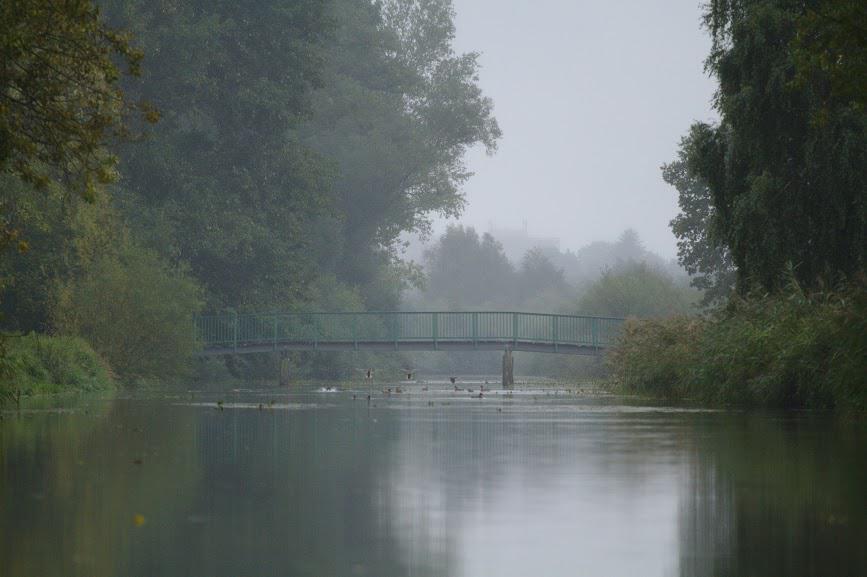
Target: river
x: 431, y: 482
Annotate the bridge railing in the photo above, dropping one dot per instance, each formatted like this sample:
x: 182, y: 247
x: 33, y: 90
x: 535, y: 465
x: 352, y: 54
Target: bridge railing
x: 242, y: 330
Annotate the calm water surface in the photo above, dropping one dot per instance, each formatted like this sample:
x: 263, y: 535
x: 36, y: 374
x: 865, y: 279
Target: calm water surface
x: 429, y: 483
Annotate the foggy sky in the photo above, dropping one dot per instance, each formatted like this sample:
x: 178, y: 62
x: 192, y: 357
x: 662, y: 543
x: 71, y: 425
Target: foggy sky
x: 592, y: 98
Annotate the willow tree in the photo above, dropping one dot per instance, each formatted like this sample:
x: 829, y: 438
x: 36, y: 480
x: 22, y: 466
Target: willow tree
x: 786, y: 166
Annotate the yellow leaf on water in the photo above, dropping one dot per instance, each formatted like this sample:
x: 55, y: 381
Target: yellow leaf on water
x: 138, y: 520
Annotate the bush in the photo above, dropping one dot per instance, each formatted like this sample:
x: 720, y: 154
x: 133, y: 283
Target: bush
x: 136, y: 311
x: 789, y: 350
x: 48, y: 364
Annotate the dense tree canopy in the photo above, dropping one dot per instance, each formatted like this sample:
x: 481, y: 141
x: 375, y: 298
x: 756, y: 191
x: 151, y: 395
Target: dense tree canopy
x: 222, y: 182
x: 397, y: 112
x: 60, y: 103
x: 298, y: 139
x: 59, y: 94
x: 61, y: 109
x: 787, y: 164
x: 830, y: 50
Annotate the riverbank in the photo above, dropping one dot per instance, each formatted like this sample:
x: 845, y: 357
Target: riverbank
x: 791, y: 350
x: 42, y: 364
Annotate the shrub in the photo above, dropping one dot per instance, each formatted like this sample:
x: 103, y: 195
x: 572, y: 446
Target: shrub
x: 136, y: 311
x: 49, y: 364
x: 788, y: 350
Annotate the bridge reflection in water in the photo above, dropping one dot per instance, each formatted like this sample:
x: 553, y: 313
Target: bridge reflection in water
x: 406, y: 331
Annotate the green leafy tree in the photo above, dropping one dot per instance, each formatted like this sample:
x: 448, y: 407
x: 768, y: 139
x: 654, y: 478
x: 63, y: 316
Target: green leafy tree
x: 88, y: 277
x: 787, y: 191
x: 398, y: 110
x: 223, y: 183
x: 636, y: 290
x: 60, y: 103
x: 541, y: 286
x: 585, y: 265
x: 465, y: 270
x: 66, y: 233
x: 136, y: 311
x: 830, y: 50
x: 60, y: 100
x: 700, y: 250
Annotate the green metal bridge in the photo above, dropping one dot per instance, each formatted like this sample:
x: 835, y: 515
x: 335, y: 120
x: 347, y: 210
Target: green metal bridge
x: 406, y: 331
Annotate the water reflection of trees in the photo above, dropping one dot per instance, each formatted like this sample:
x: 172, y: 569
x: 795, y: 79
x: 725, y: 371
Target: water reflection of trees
x: 759, y: 495
x: 775, y: 496
x: 222, y: 493
x: 352, y: 490
x: 291, y: 493
x: 72, y: 481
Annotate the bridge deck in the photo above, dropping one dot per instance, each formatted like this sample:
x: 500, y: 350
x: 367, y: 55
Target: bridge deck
x: 406, y: 331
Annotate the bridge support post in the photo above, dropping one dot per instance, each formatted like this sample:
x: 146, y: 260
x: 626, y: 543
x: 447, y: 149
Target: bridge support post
x: 508, y: 369
x: 284, y: 369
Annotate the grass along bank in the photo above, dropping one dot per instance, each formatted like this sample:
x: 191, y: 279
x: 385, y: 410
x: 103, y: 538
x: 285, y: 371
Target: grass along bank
x: 790, y: 350
x: 38, y: 364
